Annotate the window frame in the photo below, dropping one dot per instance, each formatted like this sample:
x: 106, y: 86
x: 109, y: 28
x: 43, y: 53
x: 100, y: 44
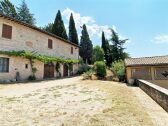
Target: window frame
x: 6, y: 31
x: 50, y: 43
x: 72, y: 50
x: 5, y: 68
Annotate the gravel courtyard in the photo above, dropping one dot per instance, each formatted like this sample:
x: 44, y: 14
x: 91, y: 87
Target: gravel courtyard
x: 74, y: 102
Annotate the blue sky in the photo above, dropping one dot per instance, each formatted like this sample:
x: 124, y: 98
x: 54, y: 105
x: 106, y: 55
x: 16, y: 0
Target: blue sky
x: 143, y: 22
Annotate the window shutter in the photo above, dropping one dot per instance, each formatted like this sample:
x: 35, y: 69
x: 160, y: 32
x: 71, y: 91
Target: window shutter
x: 71, y: 50
x: 50, y: 44
x: 7, y: 31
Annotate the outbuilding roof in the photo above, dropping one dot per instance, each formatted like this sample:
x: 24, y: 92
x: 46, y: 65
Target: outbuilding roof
x: 37, y: 29
x: 147, y: 61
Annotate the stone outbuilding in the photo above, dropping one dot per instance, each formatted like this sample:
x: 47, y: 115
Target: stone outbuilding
x: 148, y: 68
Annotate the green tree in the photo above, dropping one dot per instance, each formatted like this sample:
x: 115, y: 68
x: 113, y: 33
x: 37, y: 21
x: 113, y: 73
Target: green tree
x: 24, y: 14
x: 73, y: 35
x: 117, y: 49
x: 7, y: 8
x: 58, y: 27
x: 106, y: 49
x: 98, y: 54
x: 86, y: 46
x: 48, y: 27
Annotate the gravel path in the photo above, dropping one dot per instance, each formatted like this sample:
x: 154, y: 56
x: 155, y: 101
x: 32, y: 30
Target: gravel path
x: 158, y: 115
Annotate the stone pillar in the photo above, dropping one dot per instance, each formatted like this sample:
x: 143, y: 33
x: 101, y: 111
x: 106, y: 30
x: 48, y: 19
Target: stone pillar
x: 153, y: 73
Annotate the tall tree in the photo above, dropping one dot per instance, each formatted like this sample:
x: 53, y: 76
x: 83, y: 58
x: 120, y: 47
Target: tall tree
x: 117, y: 49
x: 86, y: 46
x: 48, y: 27
x: 58, y: 27
x: 106, y: 49
x: 7, y: 8
x: 73, y: 35
x: 24, y: 14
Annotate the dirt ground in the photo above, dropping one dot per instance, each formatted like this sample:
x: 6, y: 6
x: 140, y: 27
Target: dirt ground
x: 74, y: 102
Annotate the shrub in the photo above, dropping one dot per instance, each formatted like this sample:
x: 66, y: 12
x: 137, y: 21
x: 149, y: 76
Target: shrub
x: 119, y: 68
x: 100, y: 68
x: 30, y: 78
x: 83, y: 68
x: 88, y: 75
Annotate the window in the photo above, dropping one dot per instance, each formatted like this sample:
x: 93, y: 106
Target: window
x: 4, y: 65
x: 26, y: 66
x: 50, y: 44
x: 141, y: 73
x: 7, y: 31
x: 159, y: 73
x: 71, y: 50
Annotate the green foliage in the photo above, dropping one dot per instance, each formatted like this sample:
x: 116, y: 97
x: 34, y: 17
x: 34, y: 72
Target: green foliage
x: 31, y: 78
x: 83, y: 68
x: 119, y: 68
x: 117, y: 50
x: 86, y: 46
x: 100, y: 68
x: 48, y: 27
x: 24, y: 15
x: 106, y: 49
x: 98, y: 54
x: 88, y: 74
x: 57, y: 67
x: 34, y: 70
x: 73, y: 35
x: 34, y: 55
x: 7, y: 8
x: 58, y: 27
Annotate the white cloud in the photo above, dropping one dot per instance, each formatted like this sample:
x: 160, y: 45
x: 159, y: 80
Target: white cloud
x: 94, y: 29
x: 161, y: 39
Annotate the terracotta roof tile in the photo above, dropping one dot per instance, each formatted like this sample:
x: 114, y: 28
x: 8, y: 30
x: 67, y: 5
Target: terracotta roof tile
x: 156, y: 60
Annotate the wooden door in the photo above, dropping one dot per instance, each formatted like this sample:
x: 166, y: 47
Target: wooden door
x: 49, y: 70
x: 65, y: 74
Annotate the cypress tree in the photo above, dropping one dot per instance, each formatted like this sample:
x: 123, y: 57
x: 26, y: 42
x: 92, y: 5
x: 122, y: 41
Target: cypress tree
x: 106, y: 49
x: 7, y: 8
x: 73, y: 36
x: 24, y: 14
x: 58, y: 27
x: 86, y: 46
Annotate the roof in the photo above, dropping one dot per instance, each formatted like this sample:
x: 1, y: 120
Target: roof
x: 37, y: 29
x: 147, y: 61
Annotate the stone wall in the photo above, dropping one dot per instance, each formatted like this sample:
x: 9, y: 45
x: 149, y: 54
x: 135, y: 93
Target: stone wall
x: 154, y: 73
x: 25, y: 38
x: 17, y: 64
x: 159, y: 94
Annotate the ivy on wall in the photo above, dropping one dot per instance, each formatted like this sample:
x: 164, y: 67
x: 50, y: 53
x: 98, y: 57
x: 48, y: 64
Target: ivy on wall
x: 34, y: 55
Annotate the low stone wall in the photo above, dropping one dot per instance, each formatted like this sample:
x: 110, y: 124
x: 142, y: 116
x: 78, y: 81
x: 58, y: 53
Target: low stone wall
x: 159, y: 94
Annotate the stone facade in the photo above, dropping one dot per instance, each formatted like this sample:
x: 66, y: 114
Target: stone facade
x: 146, y: 72
x: 28, y: 39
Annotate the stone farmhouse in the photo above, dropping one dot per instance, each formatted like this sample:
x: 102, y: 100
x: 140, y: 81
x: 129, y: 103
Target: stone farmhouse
x: 17, y: 36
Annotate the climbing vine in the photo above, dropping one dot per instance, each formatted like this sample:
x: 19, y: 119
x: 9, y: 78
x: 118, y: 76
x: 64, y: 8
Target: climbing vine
x: 31, y: 56
x: 34, y: 55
